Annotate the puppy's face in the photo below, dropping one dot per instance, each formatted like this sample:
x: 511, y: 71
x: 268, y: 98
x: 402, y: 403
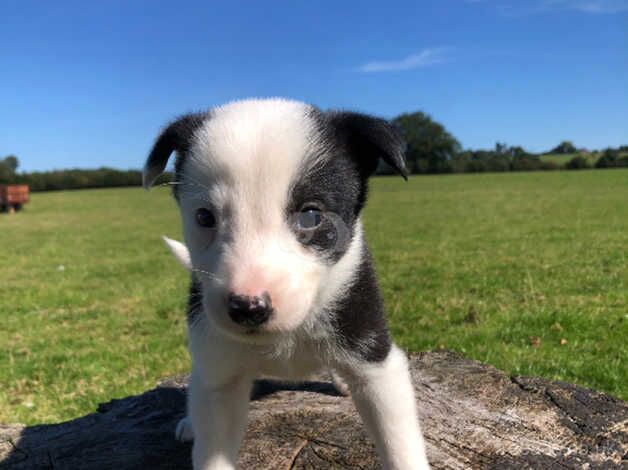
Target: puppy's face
x: 270, y: 193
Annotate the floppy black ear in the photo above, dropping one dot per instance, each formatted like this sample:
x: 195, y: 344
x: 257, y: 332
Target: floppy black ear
x: 368, y: 139
x: 177, y: 137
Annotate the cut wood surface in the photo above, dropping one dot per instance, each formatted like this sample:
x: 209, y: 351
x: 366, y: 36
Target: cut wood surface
x: 473, y: 416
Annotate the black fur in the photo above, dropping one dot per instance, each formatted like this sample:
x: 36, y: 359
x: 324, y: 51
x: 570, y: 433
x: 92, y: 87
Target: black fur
x: 336, y: 188
x: 359, y: 316
x: 354, y: 143
x: 368, y: 139
x: 177, y: 136
x: 195, y: 301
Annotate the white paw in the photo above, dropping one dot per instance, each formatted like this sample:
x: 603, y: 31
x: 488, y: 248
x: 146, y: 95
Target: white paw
x: 184, y: 432
x: 340, y: 384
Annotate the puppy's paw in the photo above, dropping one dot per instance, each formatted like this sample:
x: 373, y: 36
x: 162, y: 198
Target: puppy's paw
x: 341, y: 386
x: 184, y: 432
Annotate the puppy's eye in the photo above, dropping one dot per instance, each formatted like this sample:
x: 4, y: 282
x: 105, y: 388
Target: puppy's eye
x: 309, y: 218
x: 205, y: 218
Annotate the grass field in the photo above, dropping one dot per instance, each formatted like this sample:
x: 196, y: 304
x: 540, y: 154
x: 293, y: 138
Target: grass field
x: 526, y: 271
x: 562, y: 158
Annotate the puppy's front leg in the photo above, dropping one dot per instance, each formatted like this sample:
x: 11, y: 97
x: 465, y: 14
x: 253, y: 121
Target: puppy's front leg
x: 218, y: 415
x: 384, y: 396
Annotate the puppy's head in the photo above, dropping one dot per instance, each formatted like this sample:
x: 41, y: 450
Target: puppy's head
x: 270, y: 193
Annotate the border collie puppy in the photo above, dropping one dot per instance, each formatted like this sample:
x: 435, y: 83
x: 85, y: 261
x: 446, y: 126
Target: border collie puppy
x: 270, y: 193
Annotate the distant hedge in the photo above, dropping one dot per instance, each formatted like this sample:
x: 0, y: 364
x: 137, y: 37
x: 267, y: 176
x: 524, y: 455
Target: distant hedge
x: 612, y: 158
x: 78, y: 179
x: 81, y: 179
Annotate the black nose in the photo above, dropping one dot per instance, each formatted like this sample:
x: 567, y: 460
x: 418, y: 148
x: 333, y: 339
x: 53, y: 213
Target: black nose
x: 249, y: 310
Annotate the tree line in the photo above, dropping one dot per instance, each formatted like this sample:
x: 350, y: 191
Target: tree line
x: 71, y: 179
x: 431, y: 149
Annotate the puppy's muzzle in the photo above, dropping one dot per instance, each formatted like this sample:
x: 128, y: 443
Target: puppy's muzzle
x: 248, y: 310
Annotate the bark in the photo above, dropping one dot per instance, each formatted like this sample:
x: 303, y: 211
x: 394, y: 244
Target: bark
x: 473, y: 416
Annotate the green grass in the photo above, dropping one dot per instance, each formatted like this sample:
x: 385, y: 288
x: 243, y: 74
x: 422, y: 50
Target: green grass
x: 562, y: 158
x: 481, y: 264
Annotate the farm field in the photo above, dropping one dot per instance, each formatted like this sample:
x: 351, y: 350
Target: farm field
x: 525, y: 271
x: 561, y: 159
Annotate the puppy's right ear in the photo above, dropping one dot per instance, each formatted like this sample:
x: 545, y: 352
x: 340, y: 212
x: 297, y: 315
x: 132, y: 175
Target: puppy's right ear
x: 175, y: 137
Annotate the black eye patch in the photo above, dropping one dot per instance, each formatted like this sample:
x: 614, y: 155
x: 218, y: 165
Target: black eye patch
x: 321, y: 237
x: 324, y: 204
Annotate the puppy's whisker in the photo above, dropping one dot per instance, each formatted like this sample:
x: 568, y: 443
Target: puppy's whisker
x: 194, y: 181
x: 185, y: 183
x: 197, y: 194
x: 210, y: 276
x: 194, y: 193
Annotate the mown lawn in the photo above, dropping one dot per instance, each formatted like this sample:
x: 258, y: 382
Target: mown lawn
x: 526, y: 271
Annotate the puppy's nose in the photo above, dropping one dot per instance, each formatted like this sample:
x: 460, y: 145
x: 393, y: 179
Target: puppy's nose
x: 249, y: 310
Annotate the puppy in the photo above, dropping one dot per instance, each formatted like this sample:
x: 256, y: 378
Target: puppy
x: 270, y: 193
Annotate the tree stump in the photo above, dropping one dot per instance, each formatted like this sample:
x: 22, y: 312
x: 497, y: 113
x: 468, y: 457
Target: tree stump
x: 473, y: 416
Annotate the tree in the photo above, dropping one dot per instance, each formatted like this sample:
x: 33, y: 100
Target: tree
x: 431, y: 147
x: 12, y: 162
x: 8, y: 167
x: 608, y: 159
x: 578, y: 163
x: 518, y: 152
x: 501, y: 148
x: 564, y: 147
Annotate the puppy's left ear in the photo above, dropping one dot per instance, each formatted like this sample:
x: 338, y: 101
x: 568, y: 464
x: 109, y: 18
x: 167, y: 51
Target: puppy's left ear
x: 368, y: 139
x: 180, y: 252
x: 177, y: 136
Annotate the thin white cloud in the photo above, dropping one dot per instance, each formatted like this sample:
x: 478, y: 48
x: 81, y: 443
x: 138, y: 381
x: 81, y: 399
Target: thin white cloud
x: 540, y: 6
x: 424, y: 58
x: 588, y: 6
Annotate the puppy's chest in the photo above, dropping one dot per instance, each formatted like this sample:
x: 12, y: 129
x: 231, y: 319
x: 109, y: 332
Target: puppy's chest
x: 300, y: 363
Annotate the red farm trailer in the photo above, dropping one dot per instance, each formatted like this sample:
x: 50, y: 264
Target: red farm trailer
x: 13, y: 197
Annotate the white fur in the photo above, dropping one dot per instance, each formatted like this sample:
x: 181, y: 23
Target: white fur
x: 241, y: 166
x: 382, y: 393
x: 340, y: 384
x: 180, y: 252
x: 384, y: 396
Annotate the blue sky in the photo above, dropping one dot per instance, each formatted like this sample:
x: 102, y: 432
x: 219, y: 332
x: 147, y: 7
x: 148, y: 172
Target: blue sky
x: 86, y: 84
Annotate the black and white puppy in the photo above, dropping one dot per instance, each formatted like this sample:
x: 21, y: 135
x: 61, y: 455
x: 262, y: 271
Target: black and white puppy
x: 270, y: 193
